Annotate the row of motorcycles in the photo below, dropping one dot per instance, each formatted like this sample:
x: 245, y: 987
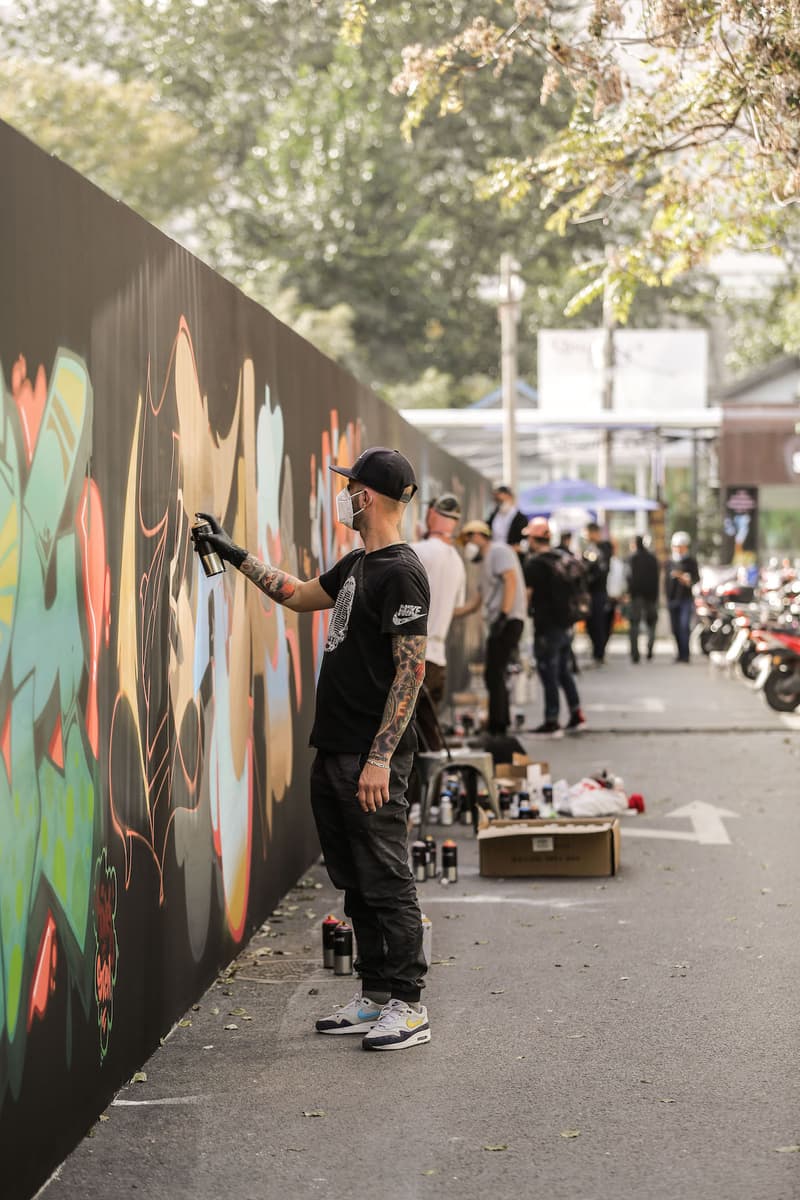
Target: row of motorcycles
x: 755, y: 630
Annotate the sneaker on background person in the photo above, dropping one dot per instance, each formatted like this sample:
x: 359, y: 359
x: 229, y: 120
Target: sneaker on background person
x: 399, y: 1026
x: 549, y: 729
x: 357, y: 1016
x: 576, y: 721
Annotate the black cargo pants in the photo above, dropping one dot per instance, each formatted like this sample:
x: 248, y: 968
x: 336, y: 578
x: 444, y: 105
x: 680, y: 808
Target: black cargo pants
x: 366, y: 856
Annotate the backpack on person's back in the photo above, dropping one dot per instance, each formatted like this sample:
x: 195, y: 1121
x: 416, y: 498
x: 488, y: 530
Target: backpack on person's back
x: 570, y: 592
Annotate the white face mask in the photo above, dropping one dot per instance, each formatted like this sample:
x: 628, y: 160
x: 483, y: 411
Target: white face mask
x: 344, y: 507
x: 677, y: 553
x: 472, y: 551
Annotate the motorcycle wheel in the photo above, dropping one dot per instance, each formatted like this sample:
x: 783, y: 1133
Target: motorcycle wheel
x: 782, y: 690
x: 748, y: 663
x: 706, y: 638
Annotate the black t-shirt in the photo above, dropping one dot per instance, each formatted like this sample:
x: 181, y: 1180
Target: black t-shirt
x: 546, y: 606
x: 378, y: 596
x: 677, y: 591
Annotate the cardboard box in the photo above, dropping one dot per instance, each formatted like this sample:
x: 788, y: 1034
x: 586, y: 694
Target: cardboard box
x: 518, y: 769
x: 564, y: 846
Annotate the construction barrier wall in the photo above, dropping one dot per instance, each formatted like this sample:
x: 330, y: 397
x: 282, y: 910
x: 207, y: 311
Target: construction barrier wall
x: 153, y: 723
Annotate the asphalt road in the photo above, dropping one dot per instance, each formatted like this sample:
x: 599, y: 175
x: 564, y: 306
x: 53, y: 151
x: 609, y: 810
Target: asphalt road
x: 629, y: 1038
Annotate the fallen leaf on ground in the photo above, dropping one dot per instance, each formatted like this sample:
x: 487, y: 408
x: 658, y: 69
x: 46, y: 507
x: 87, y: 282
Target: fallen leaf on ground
x: 500, y: 1146
x: 433, y: 1172
x: 215, y: 1012
x: 665, y: 1100
x: 103, y: 1117
x: 778, y: 1149
x: 208, y: 1047
x: 140, y: 1077
x: 313, y: 991
x: 195, y: 1008
x: 481, y: 943
x: 237, y: 1012
x: 570, y: 1133
x: 576, y: 1035
x: 313, y: 1112
x: 185, y: 1023
x: 231, y: 1026
x: 497, y: 992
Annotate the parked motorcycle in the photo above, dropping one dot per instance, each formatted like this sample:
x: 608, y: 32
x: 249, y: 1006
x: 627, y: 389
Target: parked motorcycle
x: 780, y: 676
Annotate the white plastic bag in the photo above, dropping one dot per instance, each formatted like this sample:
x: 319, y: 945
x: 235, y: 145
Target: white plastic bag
x: 617, y: 581
x: 588, y: 798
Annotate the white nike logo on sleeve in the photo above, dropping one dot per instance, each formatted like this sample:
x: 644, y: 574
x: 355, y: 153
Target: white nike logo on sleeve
x: 406, y: 613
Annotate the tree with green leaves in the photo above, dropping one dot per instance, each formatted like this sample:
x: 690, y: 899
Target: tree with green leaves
x: 272, y: 146
x: 684, y: 128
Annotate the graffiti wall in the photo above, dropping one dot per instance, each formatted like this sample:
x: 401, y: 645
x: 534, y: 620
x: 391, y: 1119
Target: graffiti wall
x: 153, y: 723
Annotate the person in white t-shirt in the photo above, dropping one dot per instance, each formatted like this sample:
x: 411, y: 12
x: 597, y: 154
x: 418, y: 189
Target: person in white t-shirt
x: 447, y: 576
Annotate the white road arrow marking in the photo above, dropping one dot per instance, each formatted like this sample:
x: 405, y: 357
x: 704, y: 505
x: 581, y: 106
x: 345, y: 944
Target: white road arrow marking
x: 706, y: 820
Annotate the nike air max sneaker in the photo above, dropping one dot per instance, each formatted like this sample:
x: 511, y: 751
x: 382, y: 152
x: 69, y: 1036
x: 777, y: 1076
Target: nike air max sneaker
x: 398, y: 1026
x: 357, y: 1016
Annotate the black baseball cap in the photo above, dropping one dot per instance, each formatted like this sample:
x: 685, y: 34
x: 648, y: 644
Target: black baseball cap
x: 387, y: 471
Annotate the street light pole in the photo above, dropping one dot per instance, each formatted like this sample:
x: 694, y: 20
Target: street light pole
x: 604, y: 465
x: 508, y: 313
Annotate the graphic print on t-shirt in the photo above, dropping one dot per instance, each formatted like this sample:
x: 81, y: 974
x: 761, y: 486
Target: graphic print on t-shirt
x: 406, y: 613
x: 340, y: 620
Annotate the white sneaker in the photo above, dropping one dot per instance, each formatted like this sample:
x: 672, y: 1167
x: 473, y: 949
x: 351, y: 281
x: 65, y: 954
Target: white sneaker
x: 358, y: 1015
x: 398, y: 1026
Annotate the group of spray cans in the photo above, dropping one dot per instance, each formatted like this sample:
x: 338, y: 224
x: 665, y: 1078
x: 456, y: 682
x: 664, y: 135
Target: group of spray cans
x: 423, y: 860
x: 337, y: 946
x: 524, y: 800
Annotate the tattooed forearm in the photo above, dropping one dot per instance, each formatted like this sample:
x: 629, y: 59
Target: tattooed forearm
x: 409, y: 664
x: 276, y: 584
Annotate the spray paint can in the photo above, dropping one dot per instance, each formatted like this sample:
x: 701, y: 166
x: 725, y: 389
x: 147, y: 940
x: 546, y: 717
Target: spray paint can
x: 450, y: 861
x: 419, y: 861
x: 430, y: 856
x: 343, y: 950
x: 329, y: 927
x: 427, y: 939
x: 212, y: 563
x: 524, y: 806
x: 446, y: 809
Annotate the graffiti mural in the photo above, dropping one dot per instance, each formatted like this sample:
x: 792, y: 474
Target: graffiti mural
x: 54, y: 585
x: 153, y: 723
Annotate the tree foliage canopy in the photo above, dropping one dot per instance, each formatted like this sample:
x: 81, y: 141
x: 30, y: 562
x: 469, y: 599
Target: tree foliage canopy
x: 684, y: 131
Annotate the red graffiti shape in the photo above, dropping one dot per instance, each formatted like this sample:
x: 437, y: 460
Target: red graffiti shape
x: 90, y: 526
x: 44, y: 973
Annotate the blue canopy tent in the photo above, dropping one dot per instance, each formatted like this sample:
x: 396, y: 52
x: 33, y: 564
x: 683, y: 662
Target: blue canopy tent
x: 548, y: 498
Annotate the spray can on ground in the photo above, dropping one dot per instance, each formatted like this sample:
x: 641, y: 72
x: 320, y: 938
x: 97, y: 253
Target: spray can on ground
x: 446, y: 809
x: 329, y: 927
x: 427, y: 939
x: 343, y: 950
x: 211, y: 561
x: 419, y: 857
x: 450, y: 861
x: 430, y: 856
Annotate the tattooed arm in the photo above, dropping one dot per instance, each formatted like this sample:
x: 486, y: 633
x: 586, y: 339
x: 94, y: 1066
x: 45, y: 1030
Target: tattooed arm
x: 297, y: 594
x: 409, y: 672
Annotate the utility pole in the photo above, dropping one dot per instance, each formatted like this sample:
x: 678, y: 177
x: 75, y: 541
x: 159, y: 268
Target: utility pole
x: 604, y: 463
x: 511, y: 291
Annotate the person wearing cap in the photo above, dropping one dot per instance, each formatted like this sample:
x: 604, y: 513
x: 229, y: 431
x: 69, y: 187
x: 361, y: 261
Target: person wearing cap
x: 501, y: 591
x: 371, y: 673
x: 505, y: 520
x: 447, y: 578
x: 682, y: 573
x: 553, y: 578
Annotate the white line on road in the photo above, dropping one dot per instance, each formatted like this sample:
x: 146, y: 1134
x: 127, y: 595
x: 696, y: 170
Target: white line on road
x: 506, y: 900
x: 166, y: 1100
x: 648, y: 704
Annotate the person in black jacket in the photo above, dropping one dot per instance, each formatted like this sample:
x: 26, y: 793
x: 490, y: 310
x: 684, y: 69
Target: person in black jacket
x: 506, y: 521
x: 682, y: 573
x: 643, y: 580
x: 597, y: 557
